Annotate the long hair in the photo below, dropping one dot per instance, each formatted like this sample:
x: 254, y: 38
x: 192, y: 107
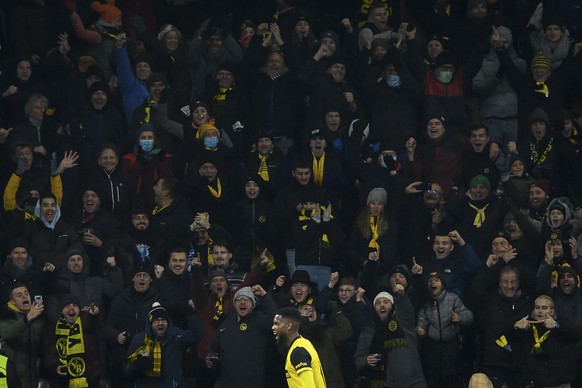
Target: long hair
x: 363, y: 223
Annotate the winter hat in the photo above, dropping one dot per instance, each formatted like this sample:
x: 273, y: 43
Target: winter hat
x: 514, y: 158
x: 442, y: 39
x: 156, y: 77
x: 262, y: 134
x: 107, y: 12
x: 438, y: 275
x: 445, y: 58
x: 227, y: 66
x: 248, y: 24
x: 332, y: 35
x: 473, y: 3
x: 302, y: 276
x: 217, y: 273
x: 553, y: 19
x: 480, y: 180
x: 566, y: 268
x: 335, y: 59
x: 158, y: 312
x: 144, y: 57
x: 384, y: 294
x: 318, y: 134
x: 198, y: 103
x: 380, y: 42
x: 540, y: 60
x: 400, y: 268
x: 246, y: 291
x: 95, y: 70
x: 206, y: 127
x: 505, y: 32
x: 143, y: 128
x: 543, y: 184
x: 377, y: 194
x: 168, y: 28
x: 70, y: 299
x: 18, y: 243
x: 146, y: 267
x: 96, y: 86
x: 538, y: 114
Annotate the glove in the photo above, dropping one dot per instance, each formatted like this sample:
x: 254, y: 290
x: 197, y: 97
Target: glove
x: 54, y: 164
x: 21, y: 166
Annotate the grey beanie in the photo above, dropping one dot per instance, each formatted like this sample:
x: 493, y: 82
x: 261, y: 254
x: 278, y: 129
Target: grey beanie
x: 377, y: 194
x: 248, y: 292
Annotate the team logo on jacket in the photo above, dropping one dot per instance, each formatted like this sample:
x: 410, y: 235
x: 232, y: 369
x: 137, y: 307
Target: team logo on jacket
x: 243, y: 326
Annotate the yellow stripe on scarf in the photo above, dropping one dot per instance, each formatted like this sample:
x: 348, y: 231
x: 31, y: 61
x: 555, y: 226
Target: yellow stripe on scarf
x: 318, y: 166
x: 216, y: 193
x: 374, y: 227
x: 480, y: 216
x: 70, y: 347
x: 263, y: 168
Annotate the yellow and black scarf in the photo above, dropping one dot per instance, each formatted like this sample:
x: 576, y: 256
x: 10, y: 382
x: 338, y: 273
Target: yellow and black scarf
x: 318, y: 166
x: 70, y: 347
x: 263, y: 168
x: 374, y: 221
x: 538, y: 341
x: 151, y: 348
x: 480, y: 216
x: 216, y: 193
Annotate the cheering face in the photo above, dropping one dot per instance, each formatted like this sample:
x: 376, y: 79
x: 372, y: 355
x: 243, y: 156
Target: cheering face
x: 556, y: 218
x: 337, y: 72
x: 108, y: 160
x: 243, y: 306
x: 99, y: 99
x: 317, y: 146
x: 330, y: 43
x: 252, y: 190
x: 442, y: 247
x: 517, y: 168
x: 567, y: 283
x: 345, y: 293
x: 479, y: 139
x: 309, y: 312
x: 398, y: 278
x: 509, y: 284
x: 20, y: 298
x: 142, y: 282
x: 383, y: 306
x: 540, y: 73
x: 178, y: 262
x: 71, y: 312
x: 300, y: 291
x: 479, y: 192
x: 172, y: 40
x: 159, y: 327
x: 499, y: 246
x: 435, y: 129
x: 140, y: 221
x: 48, y: 208
x: 435, y: 286
x: 75, y: 264
x: 332, y: 121
x: 91, y: 201
x: 19, y: 257
x: 302, y: 28
x: 218, y: 285
x: 537, y: 198
x: 538, y: 129
x: 200, y: 116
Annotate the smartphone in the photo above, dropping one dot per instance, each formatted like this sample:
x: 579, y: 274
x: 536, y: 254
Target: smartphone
x: 424, y: 186
x: 37, y: 299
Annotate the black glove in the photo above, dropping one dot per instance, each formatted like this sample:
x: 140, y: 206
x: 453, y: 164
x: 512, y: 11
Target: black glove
x: 21, y: 166
x: 54, y: 164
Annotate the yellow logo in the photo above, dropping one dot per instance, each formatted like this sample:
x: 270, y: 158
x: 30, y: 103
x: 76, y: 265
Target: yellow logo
x: 76, y: 367
x: 392, y: 326
x: 243, y: 326
x: 262, y: 219
x: 62, y: 347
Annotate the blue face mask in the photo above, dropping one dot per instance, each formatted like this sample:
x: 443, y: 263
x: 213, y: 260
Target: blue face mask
x: 393, y: 81
x: 210, y: 142
x: 146, y: 145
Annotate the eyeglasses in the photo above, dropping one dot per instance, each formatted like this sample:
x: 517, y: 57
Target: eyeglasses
x: 345, y: 290
x: 143, y: 275
x: 241, y: 299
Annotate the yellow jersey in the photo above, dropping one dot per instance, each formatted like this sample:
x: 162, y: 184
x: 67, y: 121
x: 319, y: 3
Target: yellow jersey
x: 302, y: 366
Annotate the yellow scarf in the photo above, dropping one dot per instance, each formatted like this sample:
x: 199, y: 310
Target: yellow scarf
x: 70, y: 347
x: 305, y: 217
x: 217, y: 309
x: 318, y: 166
x: 150, y: 348
x: 542, y: 88
x: 158, y: 209
x: 535, y: 156
x: 221, y: 95
x: 537, y: 348
x: 480, y: 217
x: 12, y: 307
x: 374, y: 227
x: 216, y: 193
x: 263, y: 168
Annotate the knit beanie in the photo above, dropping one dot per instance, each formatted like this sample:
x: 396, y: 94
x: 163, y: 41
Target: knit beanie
x: 205, y: 128
x: 158, y: 312
x: 384, y: 294
x: 246, y: 291
x: 107, y: 12
x: 543, y: 184
x: 480, y: 180
x: 540, y: 60
x: 377, y: 194
x: 18, y: 243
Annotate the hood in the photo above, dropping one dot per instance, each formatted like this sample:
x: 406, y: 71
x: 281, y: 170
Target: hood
x: 565, y: 205
x: 538, y: 114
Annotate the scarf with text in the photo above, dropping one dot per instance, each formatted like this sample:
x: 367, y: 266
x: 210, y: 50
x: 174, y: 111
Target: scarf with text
x: 70, y: 347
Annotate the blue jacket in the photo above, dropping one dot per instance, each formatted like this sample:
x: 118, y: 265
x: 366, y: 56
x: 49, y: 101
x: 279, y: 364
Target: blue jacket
x: 133, y: 91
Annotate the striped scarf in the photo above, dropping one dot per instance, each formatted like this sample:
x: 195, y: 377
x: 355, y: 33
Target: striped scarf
x: 70, y: 347
x: 151, y: 348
